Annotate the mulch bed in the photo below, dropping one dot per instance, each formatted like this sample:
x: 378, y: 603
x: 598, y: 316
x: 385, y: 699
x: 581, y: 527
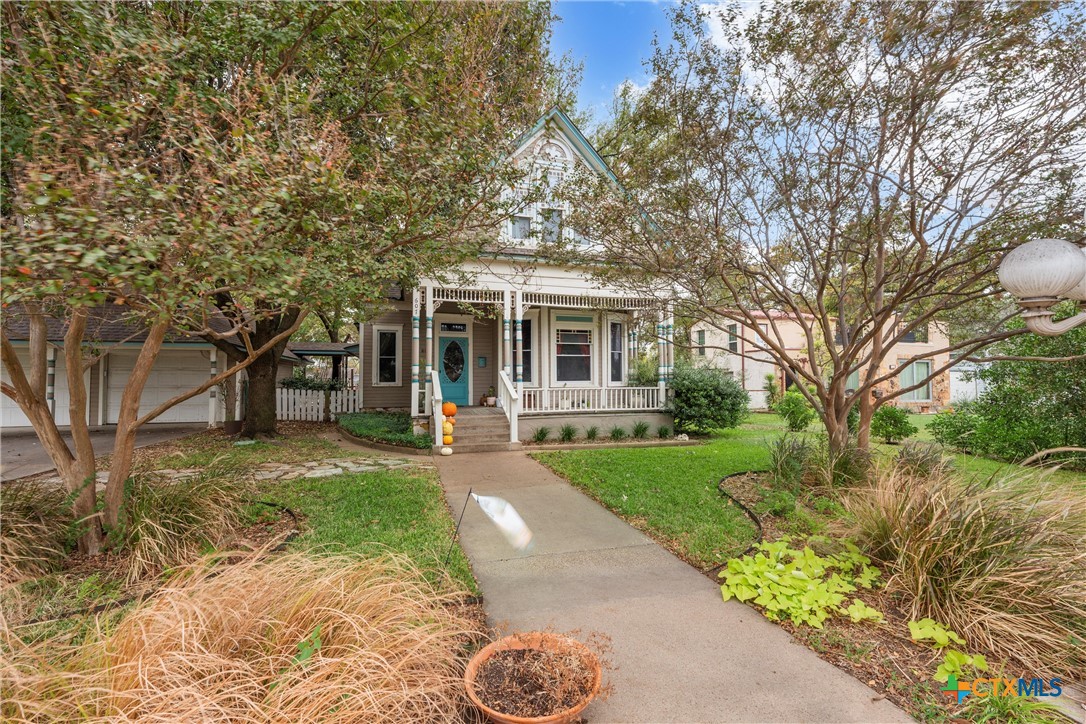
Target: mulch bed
x: 533, y: 683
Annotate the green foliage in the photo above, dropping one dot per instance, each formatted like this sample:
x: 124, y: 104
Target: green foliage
x: 1010, y: 710
x: 954, y: 663
x: 1028, y: 406
x: 796, y: 410
x: 892, y: 424
x: 955, y: 427
x: 928, y: 629
x: 859, y: 611
x: 847, y: 467
x: 640, y: 430
x: 592, y: 433
x: 799, y: 584
x: 772, y: 392
x: 706, y: 398
x: 393, y: 428
x: 780, y: 503
x: 663, y: 432
x: 789, y: 456
x: 301, y: 382
x: 541, y: 434
x: 567, y: 433
x: 617, y: 433
x: 645, y: 372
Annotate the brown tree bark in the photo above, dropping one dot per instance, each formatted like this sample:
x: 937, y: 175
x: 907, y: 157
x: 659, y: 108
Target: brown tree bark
x: 260, y: 415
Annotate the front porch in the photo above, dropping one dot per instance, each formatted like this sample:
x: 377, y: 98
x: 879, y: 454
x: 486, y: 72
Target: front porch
x: 534, y: 353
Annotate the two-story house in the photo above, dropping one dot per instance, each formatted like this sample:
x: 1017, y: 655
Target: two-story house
x: 549, y: 343
x: 921, y: 352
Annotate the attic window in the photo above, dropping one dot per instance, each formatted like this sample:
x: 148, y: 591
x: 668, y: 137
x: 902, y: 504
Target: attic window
x: 552, y: 225
x: 520, y: 227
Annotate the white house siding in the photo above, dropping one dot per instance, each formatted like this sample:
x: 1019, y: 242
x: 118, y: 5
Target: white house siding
x: 175, y: 371
x: 964, y: 386
x: 12, y: 416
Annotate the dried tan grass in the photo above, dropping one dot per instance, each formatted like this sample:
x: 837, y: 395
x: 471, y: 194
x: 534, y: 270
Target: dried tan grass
x: 33, y: 523
x: 1001, y: 561
x: 229, y: 642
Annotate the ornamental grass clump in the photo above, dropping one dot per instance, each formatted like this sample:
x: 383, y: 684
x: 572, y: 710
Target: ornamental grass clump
x: 288, y: 638
x: 35, y: 523
x: 1003, y: 561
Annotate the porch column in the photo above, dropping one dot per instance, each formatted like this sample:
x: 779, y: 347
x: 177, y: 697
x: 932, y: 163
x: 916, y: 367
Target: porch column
x: 361, y: 370
x: 507, y: 349
x: 670, y: 341
x: 51, y: 379
x: 429, y: 291
x: 416, y: 308
x: 661, y: 354
x: 518, y: 311
x: 213, y: 392
x: 630, y: 348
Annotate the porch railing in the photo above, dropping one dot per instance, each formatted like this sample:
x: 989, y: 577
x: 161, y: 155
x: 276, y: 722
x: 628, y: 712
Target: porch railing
x: 591, y: 399
x: 439, y: 416
x: 510, y: 403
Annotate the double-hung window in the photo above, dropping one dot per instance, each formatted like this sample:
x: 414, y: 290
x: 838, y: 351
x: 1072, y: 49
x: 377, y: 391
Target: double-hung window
x: 701, y: 343
x: 733, y: 338
x: 520, y: 227
x: 386, y: 354
x: 573, y: 355
x: 912, y: 374
x: 617, y: 351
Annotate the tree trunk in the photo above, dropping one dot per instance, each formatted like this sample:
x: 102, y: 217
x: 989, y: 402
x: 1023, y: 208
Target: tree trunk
x: 260, y: 417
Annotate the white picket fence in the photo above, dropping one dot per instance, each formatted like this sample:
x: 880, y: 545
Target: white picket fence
x: 308, y: 405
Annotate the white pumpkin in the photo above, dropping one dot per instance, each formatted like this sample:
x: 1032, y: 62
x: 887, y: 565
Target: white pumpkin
x: 446, y: 450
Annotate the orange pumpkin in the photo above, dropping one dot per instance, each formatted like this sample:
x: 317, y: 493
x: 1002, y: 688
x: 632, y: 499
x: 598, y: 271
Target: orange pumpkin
x: 448, y: 409
x: 447, y: 439
x: 450, y: 420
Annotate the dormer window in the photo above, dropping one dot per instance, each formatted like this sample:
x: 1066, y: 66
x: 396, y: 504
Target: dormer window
x: 520, y: 227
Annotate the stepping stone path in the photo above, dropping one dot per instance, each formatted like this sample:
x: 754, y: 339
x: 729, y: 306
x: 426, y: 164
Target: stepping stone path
x: 285, y: 471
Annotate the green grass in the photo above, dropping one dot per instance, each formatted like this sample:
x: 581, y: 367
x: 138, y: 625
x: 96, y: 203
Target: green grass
x: 393, y: 428
x: 398, y: 510
x: 204, y: 448
x: 671, y: 494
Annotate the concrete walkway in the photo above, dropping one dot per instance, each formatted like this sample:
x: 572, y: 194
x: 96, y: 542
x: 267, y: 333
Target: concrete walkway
x: 682, y: 654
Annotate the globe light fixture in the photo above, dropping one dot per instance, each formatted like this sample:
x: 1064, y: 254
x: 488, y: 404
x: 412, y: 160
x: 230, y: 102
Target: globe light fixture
x: 1042, y: 273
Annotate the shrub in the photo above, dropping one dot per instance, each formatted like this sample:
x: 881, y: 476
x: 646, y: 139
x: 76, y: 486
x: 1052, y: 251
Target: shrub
x: 591, y: 433
x: 35, y: 523
x: 310, y: 383
x: 287, y: 638
x: 796, y: 410
x: 393, y: 428
x: 645, y: 372
x: 566, y: 433
x: 778, y: 502
x: 663, y: 432
x: 617, y: 433
x: 998, y: 560
x: 541, y: 434
x: 920, y: 459
x: 706, y: 398
x: 171, y: 522
x: 641, y: 430
x: 892, y: 424
x: 844, y: 468
x: 789, y: 457
x: 955, y: 427
x: 772, y: 392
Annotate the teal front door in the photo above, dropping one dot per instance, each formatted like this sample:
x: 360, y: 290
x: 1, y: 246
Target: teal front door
x: 452, y: 366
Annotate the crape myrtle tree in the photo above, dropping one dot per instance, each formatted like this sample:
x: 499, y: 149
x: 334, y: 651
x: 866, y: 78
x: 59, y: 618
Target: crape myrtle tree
x: 853, y: 166
x: 429, y: 96
x: 136, y: 175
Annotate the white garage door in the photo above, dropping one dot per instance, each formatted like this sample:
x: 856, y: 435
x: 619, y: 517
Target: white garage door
x: 175, y: 371
x: 12, y: 416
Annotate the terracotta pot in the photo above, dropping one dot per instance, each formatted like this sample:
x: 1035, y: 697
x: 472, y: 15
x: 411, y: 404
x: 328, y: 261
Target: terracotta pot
x: 232, y: 427
x: 541, y: 641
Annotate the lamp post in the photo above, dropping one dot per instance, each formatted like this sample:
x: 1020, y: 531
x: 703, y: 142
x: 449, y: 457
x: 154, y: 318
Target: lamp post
x: 1042, y: 273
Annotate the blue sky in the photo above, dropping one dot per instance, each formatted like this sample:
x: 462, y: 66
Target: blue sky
x: 612, y: 38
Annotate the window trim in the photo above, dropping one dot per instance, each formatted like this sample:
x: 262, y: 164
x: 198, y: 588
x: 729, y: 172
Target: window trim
x: 556, y: 326
x: 732, y: 330
x: 533, y: 317
x: 624, y: 353
x: 902, y: 364
x: 396, y: 329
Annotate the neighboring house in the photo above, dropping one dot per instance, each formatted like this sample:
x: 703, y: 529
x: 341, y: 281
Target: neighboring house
x: 183, y: 363
x: 965, y: 385
x: 551, y: 344
x: 730, y: 349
